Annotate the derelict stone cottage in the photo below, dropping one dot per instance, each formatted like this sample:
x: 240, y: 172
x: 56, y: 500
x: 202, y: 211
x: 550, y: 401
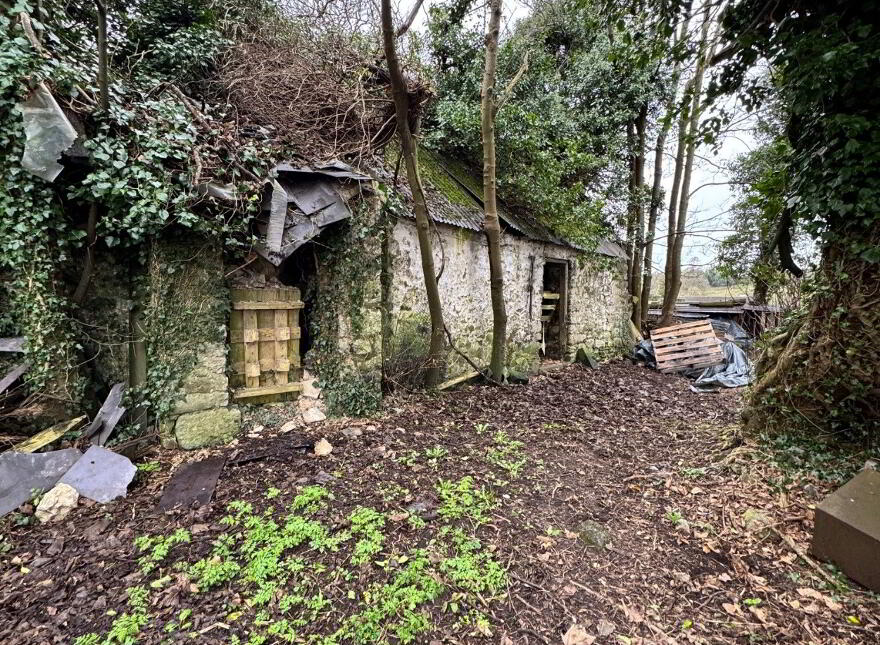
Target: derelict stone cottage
x: 336, y: 283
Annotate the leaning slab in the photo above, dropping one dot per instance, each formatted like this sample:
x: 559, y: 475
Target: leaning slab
x: 101, y: 475
x: 192, y: 483
x: 23, y: 473
x: 847, y: 530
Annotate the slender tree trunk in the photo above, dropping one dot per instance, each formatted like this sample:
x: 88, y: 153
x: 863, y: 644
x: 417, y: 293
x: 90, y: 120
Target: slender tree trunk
x: 137, y: 346
x: 85, y: 277
x: 491, y: 224
x: 657, y: 187
x: 631, y: 206
x: 409, y: 148
x: 687, y: 146
x: 639, y: 238
x: 656, y: 201
x: 666, y: 315
x: 674, y: 286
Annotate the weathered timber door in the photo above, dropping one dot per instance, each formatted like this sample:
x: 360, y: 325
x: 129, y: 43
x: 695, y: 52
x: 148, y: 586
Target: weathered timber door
x: 264, y: 344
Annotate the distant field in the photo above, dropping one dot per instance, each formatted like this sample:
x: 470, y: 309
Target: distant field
x: 698, y: 285
x: 732, y: 290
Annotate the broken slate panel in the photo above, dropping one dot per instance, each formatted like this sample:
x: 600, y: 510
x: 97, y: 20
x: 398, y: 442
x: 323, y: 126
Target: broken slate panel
x: 192, y: 483
x: 107, y: 412
x: 11, y: 376
x: 101, y: 475
x: 14, y: 344
x: 847, y: 529
x: 333, y: 213
x: 311, y: 195
x: 22, y: 473
x: 277, y: 215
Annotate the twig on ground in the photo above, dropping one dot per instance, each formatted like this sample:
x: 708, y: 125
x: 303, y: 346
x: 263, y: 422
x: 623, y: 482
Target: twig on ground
x: 806, y: 558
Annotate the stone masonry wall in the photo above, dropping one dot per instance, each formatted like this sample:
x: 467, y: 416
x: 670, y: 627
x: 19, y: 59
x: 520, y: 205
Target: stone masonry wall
x: 597, y: 296
x: 187, y: 289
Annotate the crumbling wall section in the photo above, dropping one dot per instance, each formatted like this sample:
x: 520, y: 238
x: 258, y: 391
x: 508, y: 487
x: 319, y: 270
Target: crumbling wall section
x: 598, y: 307
x: 185, y: 316
x: 597, y: 311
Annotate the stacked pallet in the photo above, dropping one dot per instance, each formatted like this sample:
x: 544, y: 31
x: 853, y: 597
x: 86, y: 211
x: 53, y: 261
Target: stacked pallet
x: 687, y: 346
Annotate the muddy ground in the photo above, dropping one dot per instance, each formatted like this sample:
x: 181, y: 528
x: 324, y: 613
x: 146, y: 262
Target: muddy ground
x: 615, y: 506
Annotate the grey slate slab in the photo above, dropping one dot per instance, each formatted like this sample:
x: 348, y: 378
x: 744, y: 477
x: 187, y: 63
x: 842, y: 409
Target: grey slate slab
x: 101, y: 475
x: 22, y: 472
x: 193, y: 482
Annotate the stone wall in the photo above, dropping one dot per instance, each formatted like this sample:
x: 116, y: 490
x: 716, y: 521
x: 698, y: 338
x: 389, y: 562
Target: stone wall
x: 185, y: 320
x: 597, y: 311
x: 203, y: 416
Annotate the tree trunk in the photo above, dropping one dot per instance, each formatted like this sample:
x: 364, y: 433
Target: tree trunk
x: 491, y: 224
x: 85, y: 278
x: 409, y: 149
x: 639, y: 237
x: 631, y: 206
x: 686, y: 144
x: 656, y: 201
x: 657, y: 187
x: 137, y: 347
x: 666, y: 315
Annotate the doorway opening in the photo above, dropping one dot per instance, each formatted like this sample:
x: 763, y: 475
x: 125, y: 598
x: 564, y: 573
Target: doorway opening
x: 300, y: 270
x: 554, y: 309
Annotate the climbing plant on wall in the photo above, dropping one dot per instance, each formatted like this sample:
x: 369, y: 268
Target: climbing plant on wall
x: 143, y: 156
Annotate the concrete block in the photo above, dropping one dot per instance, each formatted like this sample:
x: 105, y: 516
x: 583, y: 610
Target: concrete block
x: 196, y: 401
x: 208, y: 428
x: 847, y: 529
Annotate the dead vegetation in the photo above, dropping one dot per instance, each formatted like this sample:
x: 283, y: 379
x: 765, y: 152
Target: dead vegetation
x: 591, y: 506
x: 324, y: 93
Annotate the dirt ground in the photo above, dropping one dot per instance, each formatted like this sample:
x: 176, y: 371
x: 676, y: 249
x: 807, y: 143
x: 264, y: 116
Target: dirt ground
x: 590, y: 506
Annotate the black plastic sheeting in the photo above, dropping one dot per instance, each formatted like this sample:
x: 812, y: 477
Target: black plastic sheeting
x: 644, y: 352
x: 735, y: 371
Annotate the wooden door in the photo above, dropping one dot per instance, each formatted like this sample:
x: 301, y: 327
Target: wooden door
x: 264, y: 344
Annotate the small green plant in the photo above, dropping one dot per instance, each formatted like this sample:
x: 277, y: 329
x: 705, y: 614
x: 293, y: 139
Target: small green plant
x: 693, y: 473
x: 125, y: 628
x: 435, y: 454
x: 273, y: 492
x: 481, y: 428
x: 462, y: 499
x: 391, y: 491
x: 366, y: 525
x: 311, y: 499
x: 156, y: 548
x: 471, y: 568
x: 752, y: 602
x: 507, y: 454
x: 673, y: 516
x: 149, y: 467
x: 408, y: 459
x: 415, y: 522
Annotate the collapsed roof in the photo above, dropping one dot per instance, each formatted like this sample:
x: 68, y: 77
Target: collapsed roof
x: 454, y: 197
x: 301, y: 201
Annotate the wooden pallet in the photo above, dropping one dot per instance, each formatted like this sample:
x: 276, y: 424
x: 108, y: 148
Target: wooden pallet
x: 686, y: 346
x: 264, y: 338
